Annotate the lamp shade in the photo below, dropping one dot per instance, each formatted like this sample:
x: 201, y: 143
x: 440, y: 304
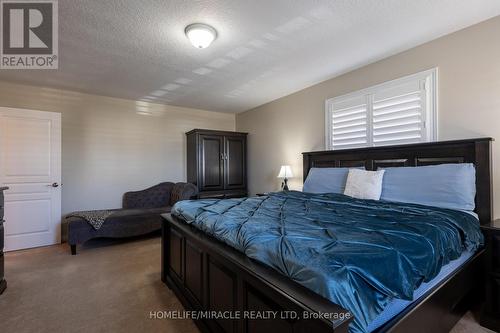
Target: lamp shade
x: 285, y: 172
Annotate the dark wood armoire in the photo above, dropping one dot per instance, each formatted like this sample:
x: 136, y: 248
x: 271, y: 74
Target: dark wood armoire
x: 216, y: 163
x: 3, y: 283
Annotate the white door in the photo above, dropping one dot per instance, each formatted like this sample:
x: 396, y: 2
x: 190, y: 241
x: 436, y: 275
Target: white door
x: 30, y: 165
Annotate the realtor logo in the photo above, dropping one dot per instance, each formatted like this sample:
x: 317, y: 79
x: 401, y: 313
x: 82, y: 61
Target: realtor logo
x: 29, y: 34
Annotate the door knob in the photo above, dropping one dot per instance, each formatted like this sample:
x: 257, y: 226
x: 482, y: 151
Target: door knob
x: 54, y: 185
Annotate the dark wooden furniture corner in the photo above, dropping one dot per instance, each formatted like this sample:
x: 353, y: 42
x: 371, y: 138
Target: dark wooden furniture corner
x: 490, y: 315
x: 3, y: 282
x: 208, y: 275
x: 216, y: 163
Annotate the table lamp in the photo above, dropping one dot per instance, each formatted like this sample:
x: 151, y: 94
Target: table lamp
x: 285, y: 173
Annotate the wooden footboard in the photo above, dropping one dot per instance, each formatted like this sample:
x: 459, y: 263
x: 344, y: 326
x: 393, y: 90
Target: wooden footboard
x: 207, y: 275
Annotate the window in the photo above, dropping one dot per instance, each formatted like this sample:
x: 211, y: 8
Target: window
x: 395, y: 112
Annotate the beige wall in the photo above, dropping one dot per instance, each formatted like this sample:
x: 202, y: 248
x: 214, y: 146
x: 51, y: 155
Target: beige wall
x: 107, y: 148
x: 469, y: 103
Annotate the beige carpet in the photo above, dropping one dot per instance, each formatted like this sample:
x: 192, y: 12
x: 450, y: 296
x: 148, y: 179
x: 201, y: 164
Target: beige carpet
x: 110, y: 286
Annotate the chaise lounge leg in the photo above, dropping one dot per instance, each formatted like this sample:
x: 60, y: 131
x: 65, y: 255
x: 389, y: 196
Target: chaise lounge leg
x: 73, y: 249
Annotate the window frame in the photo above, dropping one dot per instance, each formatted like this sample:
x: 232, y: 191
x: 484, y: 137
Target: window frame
x: 430, y: 113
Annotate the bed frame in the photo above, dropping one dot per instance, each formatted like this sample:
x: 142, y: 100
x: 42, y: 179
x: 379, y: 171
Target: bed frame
x: 207, y: 275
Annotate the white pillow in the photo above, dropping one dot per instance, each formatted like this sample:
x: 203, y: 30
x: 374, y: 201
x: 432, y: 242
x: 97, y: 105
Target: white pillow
x: 364, y: 184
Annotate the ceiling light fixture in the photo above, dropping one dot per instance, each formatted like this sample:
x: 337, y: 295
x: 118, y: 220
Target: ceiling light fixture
x: 200, y: 35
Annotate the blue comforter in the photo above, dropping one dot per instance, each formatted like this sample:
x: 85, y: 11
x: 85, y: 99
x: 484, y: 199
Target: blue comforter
x: 359, y: 254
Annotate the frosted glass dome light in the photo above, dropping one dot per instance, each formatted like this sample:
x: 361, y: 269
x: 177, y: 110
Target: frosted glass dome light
x: 200, y: 35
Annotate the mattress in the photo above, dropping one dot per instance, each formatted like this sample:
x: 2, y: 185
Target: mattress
x: 398, y: 305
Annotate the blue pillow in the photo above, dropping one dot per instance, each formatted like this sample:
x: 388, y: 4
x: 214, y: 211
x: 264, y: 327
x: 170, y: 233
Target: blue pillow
x: 326, y: 180
x: 446, y: 185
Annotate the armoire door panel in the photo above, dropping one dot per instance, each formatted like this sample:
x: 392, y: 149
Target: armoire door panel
x: 211, y: 162
x: 235, y: 175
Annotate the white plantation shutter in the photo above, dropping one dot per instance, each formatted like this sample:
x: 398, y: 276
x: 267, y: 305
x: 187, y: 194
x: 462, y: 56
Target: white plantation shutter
x: 397, y: 112
x: 349, y: 123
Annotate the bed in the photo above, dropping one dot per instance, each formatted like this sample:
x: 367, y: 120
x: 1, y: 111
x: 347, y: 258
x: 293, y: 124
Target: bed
x: 209, y: 273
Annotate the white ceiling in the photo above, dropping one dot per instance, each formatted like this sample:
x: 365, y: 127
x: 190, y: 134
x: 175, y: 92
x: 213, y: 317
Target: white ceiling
x: 265, y: 49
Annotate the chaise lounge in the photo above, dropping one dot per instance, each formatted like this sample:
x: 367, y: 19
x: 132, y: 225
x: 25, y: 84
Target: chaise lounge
x: 140, y: 215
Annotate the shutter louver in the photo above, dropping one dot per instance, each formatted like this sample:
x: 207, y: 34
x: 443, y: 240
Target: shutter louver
x: 398, y: 114
x: 349, y: 123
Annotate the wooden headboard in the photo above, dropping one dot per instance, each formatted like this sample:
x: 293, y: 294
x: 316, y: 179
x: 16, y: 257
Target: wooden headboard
x: 475, y: 151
